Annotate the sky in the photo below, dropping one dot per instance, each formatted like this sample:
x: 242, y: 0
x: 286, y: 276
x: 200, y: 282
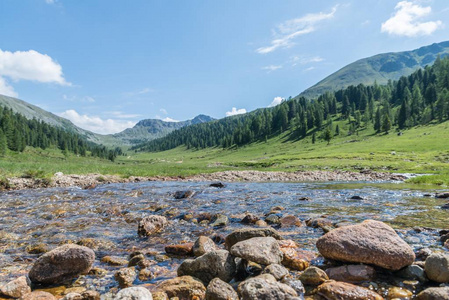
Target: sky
x: 107, y: 64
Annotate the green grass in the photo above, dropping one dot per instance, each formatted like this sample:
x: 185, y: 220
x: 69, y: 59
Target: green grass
x: 423, y: 150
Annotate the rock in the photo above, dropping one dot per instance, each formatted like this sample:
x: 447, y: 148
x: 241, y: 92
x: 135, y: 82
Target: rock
x: 180, y: 249
x: 61, y: 264
x: 219, y: 185
x: 203, y: 245
x: 399, y: 293
x: 16, y: 288
x: 264, y: 287
x: 351, y: 273
x: 434, y: 293
x: 437, y: 267
x: 125, y: 277
x: 262, y: 250
x: 250, y: 219
x: 296, y: 285
x: 37, y: 248
x: 445, y: 206
x: 247, y: 233
x: 136, y: 260
x: 319, y: 223
x: 184, y: 287
x: 413, y: 272
x: 220, y: 290
x: 294, y: 257
x: 73, y: 296
x: 160, y: 296
x: 184, y: 194
x: 371, y: 242
x: 278, y: 271
x: 90, y: 295
x: 313, y: 276
x: 114, y: 260
x: 145, y: 275
x: 444, y: 195
x: 273, y: 219
x: 134, y: 293
x: 261, y: 223
x: 219, y: 263
x: 219, y: 220
x: 38, y: 295
x: 356, y: 197
x: 423, y: 253
x: 304, y: 199
x: 335, y: 290
x: 290, y: 221
x: 151, y: 224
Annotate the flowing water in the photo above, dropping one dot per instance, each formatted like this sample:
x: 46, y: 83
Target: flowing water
x: 107, y: 217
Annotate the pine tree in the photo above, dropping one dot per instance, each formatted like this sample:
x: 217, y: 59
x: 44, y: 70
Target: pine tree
x: 386, y: 124
x: 328, y: 135
x: 3, y: 143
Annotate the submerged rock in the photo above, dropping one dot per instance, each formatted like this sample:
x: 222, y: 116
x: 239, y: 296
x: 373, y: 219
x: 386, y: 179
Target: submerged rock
x: 220, y: 290
x: 184, y: 287
x: 61, y: 264
x: 134, y: 293
x: 247, y: 233
x: 183, y: 194
x: 437, y: 267
x: 114, y: 260
x: 371, y: 242
x: 151, y: 224
x: 262, y: 250
x: 335, y: 290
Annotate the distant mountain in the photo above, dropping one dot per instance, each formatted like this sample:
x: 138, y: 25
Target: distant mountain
x: 150, y: 129
x: 380, y: 68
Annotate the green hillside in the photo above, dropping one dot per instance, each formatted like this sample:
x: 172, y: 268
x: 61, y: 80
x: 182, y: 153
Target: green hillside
x: 379, y: 68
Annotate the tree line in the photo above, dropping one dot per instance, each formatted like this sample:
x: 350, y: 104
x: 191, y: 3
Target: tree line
x: 421, y: 98
x: 17, y: 132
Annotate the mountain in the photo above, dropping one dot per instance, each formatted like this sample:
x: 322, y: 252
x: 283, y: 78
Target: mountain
x: 379, y: 68
x: 150, y: 129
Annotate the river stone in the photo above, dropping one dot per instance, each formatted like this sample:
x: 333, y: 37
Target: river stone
x: 435, y: 293
x: 335, y: 290
x: 125, y: 277
x: 218, y: 263
x: 413, y: 272
x: 351, y: 273
x: 134, y: 293
x: 294, y: 257
x: 38, y: 295
x: 180, y: 249
x: 371, y: 242
x: 61, y: 264
x: 203, y: 245
x: 262, y: 250
x: 114, y: 260
x: 184, y: 287
x: 295, y: 284
x: 247, y: 233
x: 73, y: 296
x: 151, y: 224
x: 437, y: 267
x: 219, y: 220
x: 220, y: 290
x: 277, y: 270
x: 444, y: 195
x: 265, y: 287
x: 184, y: 194
x: 16, y: 288
x: 313, y: 276
x: 290, y: 221
x: 90, y: 295
x: 399, y: 293
x: 250, y: 219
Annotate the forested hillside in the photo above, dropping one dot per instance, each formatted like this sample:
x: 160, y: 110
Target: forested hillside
x: 17, y: 132
x: 420, y: 98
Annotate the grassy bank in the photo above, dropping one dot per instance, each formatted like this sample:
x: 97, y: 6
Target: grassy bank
x: 419, y: 150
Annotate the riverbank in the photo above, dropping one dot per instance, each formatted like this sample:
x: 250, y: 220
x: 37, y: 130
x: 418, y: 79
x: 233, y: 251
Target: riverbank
x: 89, y: 181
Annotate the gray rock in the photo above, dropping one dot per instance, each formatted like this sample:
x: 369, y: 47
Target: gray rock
x: 313, y: 276
x: 296, y: 285
x: 413, y: 272
x: 203, y: 245
x: 437, y: 267
x: 125, y: 277
x: 265, y: 287
x: 220, y: 290
x: 184, y: 194
x: 184, y: 287
x: 61, y: 264
x: 151, y: 224
x: 134, y: 293
x: 219, y: 220
x: 278, y: 271
x: 73, y: 296
x: 262, y: 250
x: 16, y: 288
x: 38, y: 295
x: 247, y: 233
x: 351, y: 273
x: 435, y: 293
x: 214, y: 264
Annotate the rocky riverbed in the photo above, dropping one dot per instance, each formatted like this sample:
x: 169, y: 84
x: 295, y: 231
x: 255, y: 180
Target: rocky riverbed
x: 203, y: 240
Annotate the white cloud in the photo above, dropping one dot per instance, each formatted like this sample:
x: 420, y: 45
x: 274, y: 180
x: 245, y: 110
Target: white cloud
x: 272, y: 68
x: 406, y: 21
x: 309, y: 69
x: 163, y: 110
x: 234, y: 111
x: 300, y: 59
x: 276, y: 101
x: 6, y: 89
x: 121, y: 115
x: 138, y: 92
x: 285, y: 33
x: 85, y: 99
x: 95, y: 123
x: 167, y: 119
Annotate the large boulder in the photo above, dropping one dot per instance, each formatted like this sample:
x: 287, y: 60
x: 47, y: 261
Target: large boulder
x: 134, y: 293
x: 151, y: 224
x: 218, y: 263
x: 371, y: 242
x: 61, y: 264
x: 262, y: 250
x: 435, y: 293
x: 16, y: 288
x: 247, y: 233
x: 220, y: 290
x: 437, y: 267
x: 335, y: 290
x: 265, y: 287
x: 184, y: 287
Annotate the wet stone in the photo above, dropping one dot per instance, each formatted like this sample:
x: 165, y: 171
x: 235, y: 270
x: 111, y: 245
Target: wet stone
x: 37, y: 248
x: 262, y: 250
x: 434, y: 293
x: 183, y: 194
x: 38, y: 295
x: 203, y: 245
x: 217, y: 289
x: 264, y: 287
x: 247, y: 233
x: 114, y: 261
x: 250, y: 219
x: 16, y: 288
x: 219, y: 220
x: 183, y: 287
x: 125, y: 277
x: 351, y: 273
x: 313, y: 276
x: 134, y: 293
x: 399, y: 293
x: 278, y: 271
x: 335, y: 290
x: 180, y: 249
x: 437, y: 267
x: 151, y: 224
x: 136, y: 260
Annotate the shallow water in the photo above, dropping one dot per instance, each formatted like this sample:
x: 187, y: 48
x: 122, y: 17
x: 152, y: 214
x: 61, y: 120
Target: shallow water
x: 109, y: 215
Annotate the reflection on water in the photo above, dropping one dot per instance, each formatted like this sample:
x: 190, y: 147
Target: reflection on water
x: 106, y: 217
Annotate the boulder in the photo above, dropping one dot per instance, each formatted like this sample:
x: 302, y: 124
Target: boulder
x: 313, y: 276
x: 434, y: 293
x: 278, y: 271
x: 151, y: 224
x: 16, y: 288
x: 134, y: 293
x: 220, y: 290
x: 219, y: 185
x: 38, y: 295
x: 214, y: 264
x: 335, y: 290
x: 184, y: 287
x: 180, y: 249
x: 262, y: 250
x: 203, y: 245
x: 264, y: 287
x: 351, y: 273
x: 371, y: 242
x: 247, y: 233
x: 125, y: 277
x: 437, y: 267
x: 61, y: 264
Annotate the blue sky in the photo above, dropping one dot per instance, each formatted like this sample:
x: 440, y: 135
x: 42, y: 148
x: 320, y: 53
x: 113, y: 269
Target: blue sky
x: 107, y: 64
